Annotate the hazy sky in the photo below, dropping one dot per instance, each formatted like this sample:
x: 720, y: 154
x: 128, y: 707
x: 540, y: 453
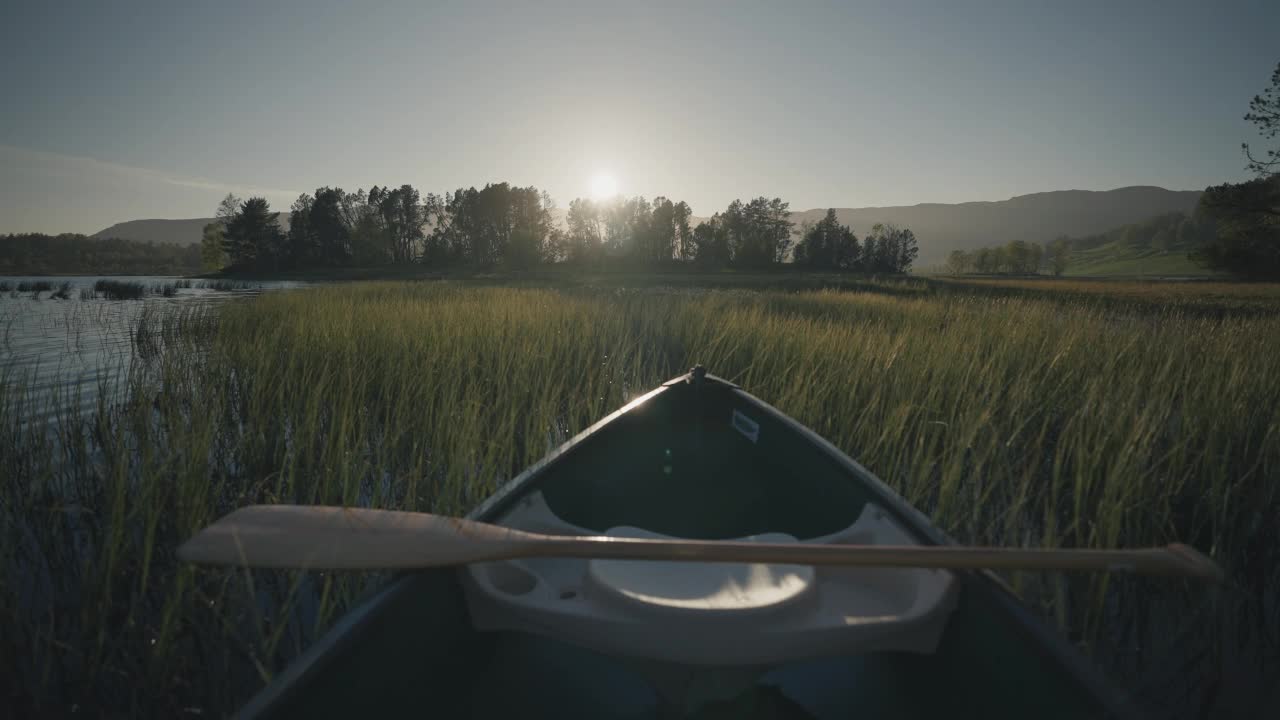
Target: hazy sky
x: 111, y: 111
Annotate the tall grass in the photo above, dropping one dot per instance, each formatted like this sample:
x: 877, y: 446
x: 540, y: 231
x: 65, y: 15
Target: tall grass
x: 1194, y: 296
x: 35, y: 287
x: 164, y: 289
x: 226, y: 285
x: 120, y: 289
x: 1010, y: 420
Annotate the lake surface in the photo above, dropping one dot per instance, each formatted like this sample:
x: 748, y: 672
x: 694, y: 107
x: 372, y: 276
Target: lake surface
x: 64, y: 351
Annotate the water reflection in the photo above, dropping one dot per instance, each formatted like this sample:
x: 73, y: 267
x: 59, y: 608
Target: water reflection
x: 63, y: 352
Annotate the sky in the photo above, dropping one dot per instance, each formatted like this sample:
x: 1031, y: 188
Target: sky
x: 118, y: 111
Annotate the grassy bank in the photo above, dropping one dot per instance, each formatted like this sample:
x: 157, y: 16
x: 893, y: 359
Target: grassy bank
x: 1009, y: 417
x: 1201, y: 297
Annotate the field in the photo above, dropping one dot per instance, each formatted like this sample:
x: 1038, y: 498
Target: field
x: 1059, y: 413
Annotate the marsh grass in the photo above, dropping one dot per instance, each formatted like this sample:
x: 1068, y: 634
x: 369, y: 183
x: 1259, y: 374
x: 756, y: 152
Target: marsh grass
x: 164, y: 289
x: 35, y: 287
x: 1008, y: 419
x: 226, y: 285
x: 120, y: 289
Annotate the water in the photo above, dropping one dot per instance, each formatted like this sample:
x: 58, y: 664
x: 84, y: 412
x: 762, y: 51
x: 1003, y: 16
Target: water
x: 64, y: 352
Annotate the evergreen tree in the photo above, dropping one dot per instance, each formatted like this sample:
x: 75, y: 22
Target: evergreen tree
x: 212, y: 255
x: 252, y: 238
x: 828, y: 245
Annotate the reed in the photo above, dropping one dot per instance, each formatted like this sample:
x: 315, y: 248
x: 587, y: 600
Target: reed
x: 120, y: 290
x: 35, y: 287
x: 165, y: 289
x: 1009, y: 419
x: 226, y: 285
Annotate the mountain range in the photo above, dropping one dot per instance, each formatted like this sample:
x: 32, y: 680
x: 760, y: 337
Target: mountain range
x: 939, y: 228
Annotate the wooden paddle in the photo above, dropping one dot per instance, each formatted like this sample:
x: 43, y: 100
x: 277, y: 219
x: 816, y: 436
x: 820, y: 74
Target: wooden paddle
x: 316, y: 537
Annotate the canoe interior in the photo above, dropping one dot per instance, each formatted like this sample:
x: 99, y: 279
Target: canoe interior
x: 676, y: 465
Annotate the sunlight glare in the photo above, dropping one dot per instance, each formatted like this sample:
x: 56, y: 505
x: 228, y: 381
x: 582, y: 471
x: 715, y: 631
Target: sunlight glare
x: 603, y: 186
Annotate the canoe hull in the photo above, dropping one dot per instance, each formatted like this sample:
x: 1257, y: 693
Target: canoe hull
x: 697, y: 457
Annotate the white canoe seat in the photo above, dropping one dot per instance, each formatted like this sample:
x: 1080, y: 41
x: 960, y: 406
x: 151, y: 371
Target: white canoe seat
x: 697, y: 589
x: 716, y: 614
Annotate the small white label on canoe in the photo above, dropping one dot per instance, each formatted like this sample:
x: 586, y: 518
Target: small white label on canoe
x: 745, y: 425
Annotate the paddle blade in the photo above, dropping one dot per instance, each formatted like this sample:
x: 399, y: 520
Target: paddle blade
x: 1198, y: 565
x: 335, y: 538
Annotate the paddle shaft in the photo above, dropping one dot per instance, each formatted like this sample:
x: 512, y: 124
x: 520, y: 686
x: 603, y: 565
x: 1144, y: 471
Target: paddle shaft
x: 1171, y: 560
x: 296, y: 536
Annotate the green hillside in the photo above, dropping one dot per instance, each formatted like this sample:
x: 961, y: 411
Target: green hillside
x: 1120, y: 259
x: 1156, y: 247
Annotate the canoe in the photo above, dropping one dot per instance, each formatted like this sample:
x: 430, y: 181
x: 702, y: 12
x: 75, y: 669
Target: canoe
x: 697, y: 457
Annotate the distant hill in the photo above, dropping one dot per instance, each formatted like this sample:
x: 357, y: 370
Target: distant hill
x: 1040, y: 217
x: 168, y: 232
x: 940, y: 228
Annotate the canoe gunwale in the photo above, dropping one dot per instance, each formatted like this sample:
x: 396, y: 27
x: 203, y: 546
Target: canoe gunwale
x: 989, y: 586
x: 348, y: 629
x: 502, y: 498
x: 986, y: 585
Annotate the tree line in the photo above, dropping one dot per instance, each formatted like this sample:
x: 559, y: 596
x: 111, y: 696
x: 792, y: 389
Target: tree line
x: 1017, y: 257
x: 829, y: 245
x: 39, y: 254
x: 516, y: 227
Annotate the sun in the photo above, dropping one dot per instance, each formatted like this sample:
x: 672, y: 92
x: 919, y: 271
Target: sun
x: 603, y: 186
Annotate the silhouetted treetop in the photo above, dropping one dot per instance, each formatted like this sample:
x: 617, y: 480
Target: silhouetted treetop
x: 502, y: 224
x: 1247, y: 241
x: 1264, y: 111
